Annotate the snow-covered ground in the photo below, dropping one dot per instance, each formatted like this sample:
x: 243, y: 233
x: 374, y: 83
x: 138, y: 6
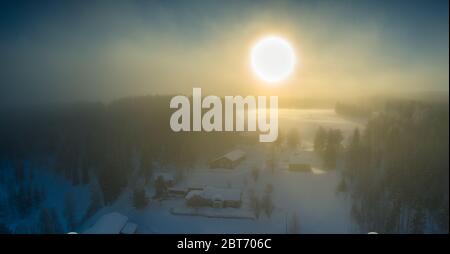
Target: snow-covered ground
x: 312, y: 197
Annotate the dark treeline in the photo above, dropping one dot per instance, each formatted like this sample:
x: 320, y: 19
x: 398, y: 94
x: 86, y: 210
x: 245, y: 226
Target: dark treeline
x: 97, y: 140
x: 397, y: 170
x: 328, y: 144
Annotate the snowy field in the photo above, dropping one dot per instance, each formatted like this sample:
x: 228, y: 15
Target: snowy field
x: 311, y: 197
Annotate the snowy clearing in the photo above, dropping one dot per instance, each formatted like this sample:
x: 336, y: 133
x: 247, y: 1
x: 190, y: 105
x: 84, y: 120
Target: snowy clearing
x: 311, y: 197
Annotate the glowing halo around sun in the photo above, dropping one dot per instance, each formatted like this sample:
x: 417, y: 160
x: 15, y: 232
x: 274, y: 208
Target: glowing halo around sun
x: 272, y: 59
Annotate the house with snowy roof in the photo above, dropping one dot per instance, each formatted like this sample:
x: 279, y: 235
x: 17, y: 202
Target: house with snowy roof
x: 303, y: 161
x: 229, y: 160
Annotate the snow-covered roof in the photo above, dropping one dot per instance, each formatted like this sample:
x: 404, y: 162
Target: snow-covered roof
x: 304, y: 157
x: 193, y: 193
x: 222, y: 194
x: 111, y: 223
x: 129, y: 228
x: 234, y: 155
x: 212, y: 193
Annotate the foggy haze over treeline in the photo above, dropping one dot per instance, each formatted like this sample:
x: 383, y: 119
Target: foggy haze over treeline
x: 101, y: 52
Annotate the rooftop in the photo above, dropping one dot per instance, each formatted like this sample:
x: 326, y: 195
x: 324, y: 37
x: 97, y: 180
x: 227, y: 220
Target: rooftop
x: 111, y: 223
x: 234, y: 155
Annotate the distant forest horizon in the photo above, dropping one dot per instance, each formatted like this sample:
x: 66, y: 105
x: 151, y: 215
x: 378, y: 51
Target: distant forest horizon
x: 306, y: 101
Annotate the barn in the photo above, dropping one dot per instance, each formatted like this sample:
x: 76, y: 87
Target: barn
x: 229, y: 160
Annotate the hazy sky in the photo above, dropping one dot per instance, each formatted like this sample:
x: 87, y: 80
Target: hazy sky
x: 59, y: 51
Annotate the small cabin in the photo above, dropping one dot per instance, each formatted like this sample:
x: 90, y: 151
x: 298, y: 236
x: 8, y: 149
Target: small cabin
x: 229, y: 160
x: 303, y: 162
x: 300, y: 167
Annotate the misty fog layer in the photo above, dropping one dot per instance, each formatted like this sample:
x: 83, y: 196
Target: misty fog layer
x: 98, y: 51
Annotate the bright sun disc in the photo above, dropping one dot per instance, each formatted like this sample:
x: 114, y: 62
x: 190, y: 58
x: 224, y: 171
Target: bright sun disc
x: 272, y: 59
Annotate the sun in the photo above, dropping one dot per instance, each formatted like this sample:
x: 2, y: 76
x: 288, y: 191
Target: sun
x: 272, y: 59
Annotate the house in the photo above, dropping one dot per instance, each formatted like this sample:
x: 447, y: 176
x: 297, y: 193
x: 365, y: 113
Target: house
x: 215, y: 197
x: 196, y: 199
x: 167, y: 178
x: 112, y: 223
x: 300, y: 167
x: 229, y: 160
x: 303, y: 162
